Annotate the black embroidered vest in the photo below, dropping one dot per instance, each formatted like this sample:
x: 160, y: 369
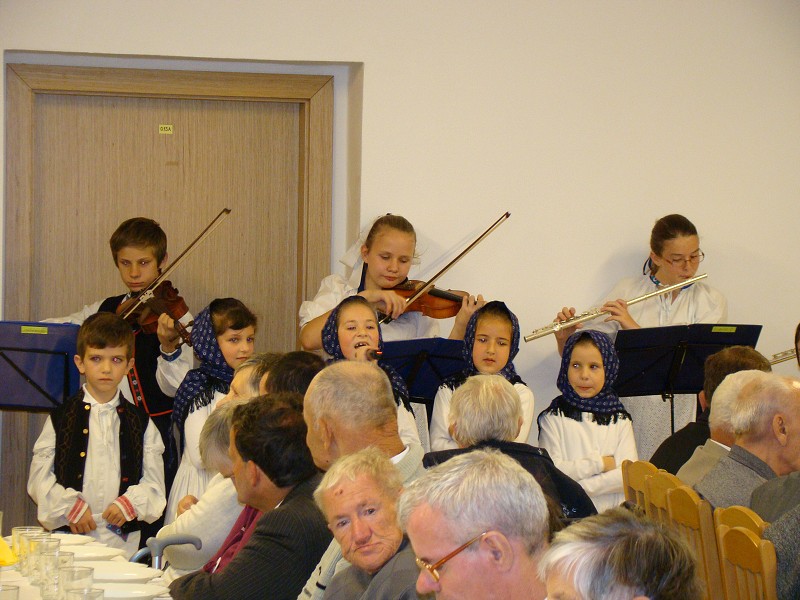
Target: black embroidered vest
x: 146, y: 352
x: 71, y: 425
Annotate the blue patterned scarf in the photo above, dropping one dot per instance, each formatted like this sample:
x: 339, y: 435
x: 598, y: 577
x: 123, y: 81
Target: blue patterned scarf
x: 508, y: 371
x: 331, y: 345
x: 606, y: 403
x: 213, y: 375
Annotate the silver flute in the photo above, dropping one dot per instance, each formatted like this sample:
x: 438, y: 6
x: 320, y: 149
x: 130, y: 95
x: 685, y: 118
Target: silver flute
x: 780, y: 357
x: 594, y: 313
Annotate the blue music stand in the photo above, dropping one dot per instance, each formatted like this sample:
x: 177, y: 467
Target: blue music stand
x: 664, y: 361
x: 37, y: 369
x: 424, y: 364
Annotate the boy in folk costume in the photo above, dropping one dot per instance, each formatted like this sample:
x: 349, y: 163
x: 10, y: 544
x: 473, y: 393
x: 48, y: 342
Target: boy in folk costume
x: 97, y: 466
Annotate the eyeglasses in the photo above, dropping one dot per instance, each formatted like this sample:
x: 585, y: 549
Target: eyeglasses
x: 694, y: 259
x: 434, y: 568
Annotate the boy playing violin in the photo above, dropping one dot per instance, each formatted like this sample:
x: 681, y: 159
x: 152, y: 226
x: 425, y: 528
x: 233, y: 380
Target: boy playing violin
x: 139, y: 250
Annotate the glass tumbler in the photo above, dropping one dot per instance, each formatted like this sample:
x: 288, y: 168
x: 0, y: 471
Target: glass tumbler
x: 36, y: 547
x: 25, y: 541
x: 74, y: 578
x: 49, y: 565
x: 16, y: 532
x: 9, y: 592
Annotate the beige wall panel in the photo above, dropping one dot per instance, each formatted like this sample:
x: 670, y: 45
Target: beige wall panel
x: 102, y: 160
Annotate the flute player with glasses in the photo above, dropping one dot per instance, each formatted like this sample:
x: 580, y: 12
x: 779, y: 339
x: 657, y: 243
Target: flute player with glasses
x: 675, y: 256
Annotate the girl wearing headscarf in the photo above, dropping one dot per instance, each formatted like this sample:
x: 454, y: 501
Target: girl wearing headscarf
x: 223, y: 337
x: 491, y: 342
x: 351, y: 332
x: 586, y: 430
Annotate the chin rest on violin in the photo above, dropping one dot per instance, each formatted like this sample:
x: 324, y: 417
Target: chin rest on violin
x: 435, y: 303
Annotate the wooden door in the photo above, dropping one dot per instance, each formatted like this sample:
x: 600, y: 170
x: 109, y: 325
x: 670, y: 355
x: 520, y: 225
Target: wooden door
x: 89, y: 148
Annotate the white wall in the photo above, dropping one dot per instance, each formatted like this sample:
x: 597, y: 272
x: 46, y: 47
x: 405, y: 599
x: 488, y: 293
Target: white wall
x: 586, y: 120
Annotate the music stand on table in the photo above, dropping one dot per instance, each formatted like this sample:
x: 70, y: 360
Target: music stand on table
x: 664, y: 361
x: 37, y: 369
x: 424, y: 364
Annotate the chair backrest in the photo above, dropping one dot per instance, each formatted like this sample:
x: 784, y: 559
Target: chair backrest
x: 633, y: 480
x: 655, y: 494
x: 748, y: 564
x: 691, y: 516
x: 740, y: 516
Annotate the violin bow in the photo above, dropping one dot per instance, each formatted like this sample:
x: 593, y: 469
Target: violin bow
x: 429, y: 284
x: 147, y: 293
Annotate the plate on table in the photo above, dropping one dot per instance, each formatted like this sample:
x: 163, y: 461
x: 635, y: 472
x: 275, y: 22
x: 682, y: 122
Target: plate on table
x: 131, y: 591
x: 95, y: 552
x: 108, y: 571
x: 113, y: 561
x: 72, y: 539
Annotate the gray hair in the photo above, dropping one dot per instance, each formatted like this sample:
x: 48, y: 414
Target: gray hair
x: 370, y: 462
x: 617, y: 555
x: 485, y: 407
x: 481, y: 491
x: 215, y: 435
x: 760, y: 396
x: 356, y: 393
x: 725, y: 398
x: 261, y: 364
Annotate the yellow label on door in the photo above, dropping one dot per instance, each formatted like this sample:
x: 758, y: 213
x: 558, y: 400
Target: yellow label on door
x: 165, y: 129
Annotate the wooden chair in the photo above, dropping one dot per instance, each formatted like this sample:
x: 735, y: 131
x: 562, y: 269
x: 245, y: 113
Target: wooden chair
x: 692, y: 517
x: 655, y: 494
x: 749, y: 565
x: 633, y: 480
x: 740, y: 516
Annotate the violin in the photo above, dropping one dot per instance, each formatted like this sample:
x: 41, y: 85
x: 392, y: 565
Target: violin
x: 160, y: 297
x: 435, y: 303
x: 421, y: 288
x: 165, y: 300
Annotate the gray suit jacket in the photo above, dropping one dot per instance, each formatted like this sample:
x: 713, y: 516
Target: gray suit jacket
x: 734, y: 478
x: 777, y: 496
x: 275, y: 562
x: 785, y: 534
x: 704, y: 458
x: 396, y: 580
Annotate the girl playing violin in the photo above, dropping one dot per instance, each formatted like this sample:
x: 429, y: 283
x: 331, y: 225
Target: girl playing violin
x: 675, y: 256
x: 490, y: 344
x: 351, y: 332
x: 383, y: 263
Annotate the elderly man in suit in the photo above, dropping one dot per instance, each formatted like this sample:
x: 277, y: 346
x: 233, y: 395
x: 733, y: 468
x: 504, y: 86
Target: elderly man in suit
x: 766, y: 423
x: 274, y: 473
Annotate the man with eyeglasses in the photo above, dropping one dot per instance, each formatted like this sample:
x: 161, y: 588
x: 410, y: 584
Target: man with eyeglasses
x: 478, y: 527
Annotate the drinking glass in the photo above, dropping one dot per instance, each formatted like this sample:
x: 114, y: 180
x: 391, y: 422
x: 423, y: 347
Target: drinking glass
x: 89, y: 594
x: 49, y: 565
x: 9, y: 592
x: 36, y: 547
x: 25, y: 549
x: 74, y: 578
x: 16, y: 532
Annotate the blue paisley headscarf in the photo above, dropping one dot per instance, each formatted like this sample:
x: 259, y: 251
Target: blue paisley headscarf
x: 494, y: 308
x: 213, y: 375
x: 606, y: 402
x: 331, y: 345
